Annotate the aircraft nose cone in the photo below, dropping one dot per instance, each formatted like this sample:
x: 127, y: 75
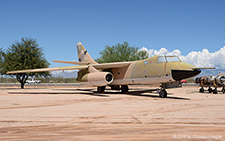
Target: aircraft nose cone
x: 183, y: 74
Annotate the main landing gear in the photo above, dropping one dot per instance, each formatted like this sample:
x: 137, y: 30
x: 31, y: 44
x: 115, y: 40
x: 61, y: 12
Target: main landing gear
x: 124, y: 89
x: 101, y: 89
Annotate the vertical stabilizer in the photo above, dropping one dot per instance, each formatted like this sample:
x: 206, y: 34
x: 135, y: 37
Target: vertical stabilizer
x: 83, y: 55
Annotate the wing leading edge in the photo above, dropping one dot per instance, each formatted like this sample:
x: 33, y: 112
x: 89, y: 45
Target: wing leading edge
x: 49, y: 69
x: 97, y: 66
x: 71, y: 62
x: 111, y: 65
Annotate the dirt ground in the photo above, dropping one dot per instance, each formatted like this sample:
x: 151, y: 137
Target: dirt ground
x: 82, y: 114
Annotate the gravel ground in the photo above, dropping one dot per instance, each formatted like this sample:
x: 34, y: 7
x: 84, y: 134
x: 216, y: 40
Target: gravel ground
x: 76, y: 113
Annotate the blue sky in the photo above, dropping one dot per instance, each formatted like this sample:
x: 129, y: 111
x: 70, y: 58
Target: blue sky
x: 186, y: 25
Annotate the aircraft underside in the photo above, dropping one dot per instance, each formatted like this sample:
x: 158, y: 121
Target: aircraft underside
x: 122, y: 84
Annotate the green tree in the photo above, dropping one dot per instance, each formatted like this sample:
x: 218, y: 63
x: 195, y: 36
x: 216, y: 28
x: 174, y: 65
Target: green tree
x: 1, y: 58
x: 121, y: 52
x: 24, y: 55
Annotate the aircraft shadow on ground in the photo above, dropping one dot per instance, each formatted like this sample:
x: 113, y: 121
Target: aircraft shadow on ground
x: 88, y: 90
x: 74, y: 92
x: 141, y: 93
x: 92, y: 92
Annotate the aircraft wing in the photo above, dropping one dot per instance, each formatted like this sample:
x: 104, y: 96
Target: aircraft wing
x: 49, y: 69
x: 97, y: 66
x: 111, y: 65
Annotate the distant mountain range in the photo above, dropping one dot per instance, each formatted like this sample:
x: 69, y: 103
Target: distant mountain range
x: 65, y: 74
x: 211, y: 72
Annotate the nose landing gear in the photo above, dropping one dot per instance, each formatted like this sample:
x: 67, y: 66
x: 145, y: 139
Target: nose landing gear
x: 163, y: 93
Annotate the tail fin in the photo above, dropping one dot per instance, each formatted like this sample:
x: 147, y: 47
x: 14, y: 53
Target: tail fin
x: 83, y: 55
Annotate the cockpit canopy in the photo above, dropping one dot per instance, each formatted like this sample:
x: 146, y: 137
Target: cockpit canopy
x: 162, y: 59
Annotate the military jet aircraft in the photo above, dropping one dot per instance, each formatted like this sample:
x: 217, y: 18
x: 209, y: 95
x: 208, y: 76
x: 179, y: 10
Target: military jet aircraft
x: 161, y: 71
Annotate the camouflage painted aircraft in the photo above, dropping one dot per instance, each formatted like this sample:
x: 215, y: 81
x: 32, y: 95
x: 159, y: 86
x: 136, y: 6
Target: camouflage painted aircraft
x: 160, y: 71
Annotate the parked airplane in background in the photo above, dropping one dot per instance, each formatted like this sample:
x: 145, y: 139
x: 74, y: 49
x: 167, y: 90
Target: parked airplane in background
x: 160, y: 71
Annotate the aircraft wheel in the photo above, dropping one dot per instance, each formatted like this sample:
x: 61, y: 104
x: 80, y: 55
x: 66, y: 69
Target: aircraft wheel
x: 201, y: 90
x: 223, y: 90
x: 101, y: 89
x: 210, y: 90
x: 124, y: 89
x: 215, y: 91
x: 163, y: 93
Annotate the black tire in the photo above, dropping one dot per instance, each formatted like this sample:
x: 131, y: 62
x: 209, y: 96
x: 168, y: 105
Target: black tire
x: 101, y: 89
x: 163, y: 94
x: 215, y: 91
x: 210, y: 90
x: 124, y: 89
x: 201, y: 90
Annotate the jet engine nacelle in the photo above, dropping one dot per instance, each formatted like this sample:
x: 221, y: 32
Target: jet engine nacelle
x: 210, y: 80
x: 220, y: 80
x: 97, y: 79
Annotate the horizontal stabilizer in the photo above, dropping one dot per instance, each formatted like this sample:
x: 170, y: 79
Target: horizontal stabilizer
x: 49, y: 69
x: 71, y: 62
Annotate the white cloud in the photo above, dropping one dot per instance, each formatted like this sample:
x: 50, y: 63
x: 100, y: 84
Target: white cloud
x: 202, y: 58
